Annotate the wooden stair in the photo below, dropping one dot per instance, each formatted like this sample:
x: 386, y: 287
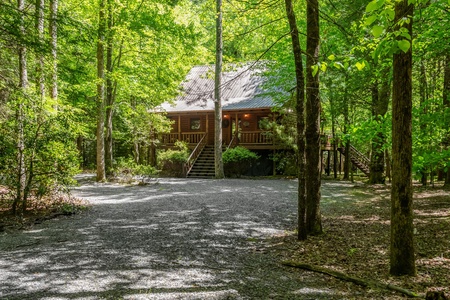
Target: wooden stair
x: 204, y: 165
x: 358, y: 159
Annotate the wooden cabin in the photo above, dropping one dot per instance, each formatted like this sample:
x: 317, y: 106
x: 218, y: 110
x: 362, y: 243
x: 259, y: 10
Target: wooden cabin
x: 244, y: 105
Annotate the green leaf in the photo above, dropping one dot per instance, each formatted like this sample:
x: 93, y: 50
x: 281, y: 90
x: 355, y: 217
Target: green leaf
x: 323, y: 67
x: 360, y: 65
x: 315, y: 69
x: 377, y: 30
x: 390, y: 13
x: 338, y: 65
x: 404, y: 45
x: 406, y: 35
x: 370, y: 20
x: 372, y: 6
x: 332, y: 57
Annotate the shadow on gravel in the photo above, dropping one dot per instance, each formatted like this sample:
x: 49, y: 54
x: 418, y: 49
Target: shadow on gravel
x: 175, y: 239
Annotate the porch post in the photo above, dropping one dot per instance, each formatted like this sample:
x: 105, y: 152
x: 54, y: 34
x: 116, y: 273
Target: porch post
x: 207, y: 123
x: 179, y: 127
x: 236, y: 127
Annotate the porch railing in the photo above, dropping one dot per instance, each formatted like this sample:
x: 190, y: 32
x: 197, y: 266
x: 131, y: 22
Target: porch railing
x: 195, y: 154
x: 255, y: 137
x: 188, y: 137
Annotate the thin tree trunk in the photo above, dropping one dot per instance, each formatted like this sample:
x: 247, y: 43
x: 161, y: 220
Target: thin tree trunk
x: 23, y: 84
x: 380, y: 104
x: 402, y: 242
x: 109, y: 93
x: 347, y: 162
x: 446, y: 102
x: 101, y: 95
x: 423, y: 87
x: 217, y: 94
x: 54, y: 47
x: 312, y: 129
x: 40, y: 5
x: 300, y: 98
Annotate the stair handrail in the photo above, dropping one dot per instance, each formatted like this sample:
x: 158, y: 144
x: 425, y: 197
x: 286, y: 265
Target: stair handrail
x: 361, y: 157
x: 230, y: 145
x: 187, y: 166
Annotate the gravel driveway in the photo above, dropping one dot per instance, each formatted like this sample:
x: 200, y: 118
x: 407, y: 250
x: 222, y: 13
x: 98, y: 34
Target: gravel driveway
x: 171, y: 239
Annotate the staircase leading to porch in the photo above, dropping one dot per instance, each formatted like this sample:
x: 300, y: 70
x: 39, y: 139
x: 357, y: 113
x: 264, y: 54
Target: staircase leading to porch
x: 204, y: 165
x: 358, y: 159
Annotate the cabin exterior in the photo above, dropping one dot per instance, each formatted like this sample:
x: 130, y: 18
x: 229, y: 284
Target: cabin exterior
x: 244, y: 105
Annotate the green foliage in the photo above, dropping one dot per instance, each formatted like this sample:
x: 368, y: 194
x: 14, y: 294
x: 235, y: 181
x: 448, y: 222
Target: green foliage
x: 129, y: 167
x: 171, y: 161
x: 238, y: 160
x: 50, y: 157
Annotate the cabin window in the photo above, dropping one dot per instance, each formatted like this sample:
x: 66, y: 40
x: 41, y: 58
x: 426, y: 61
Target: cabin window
x: 195, y: 124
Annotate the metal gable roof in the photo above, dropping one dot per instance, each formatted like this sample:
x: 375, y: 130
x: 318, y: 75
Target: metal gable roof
x: 241, y: 89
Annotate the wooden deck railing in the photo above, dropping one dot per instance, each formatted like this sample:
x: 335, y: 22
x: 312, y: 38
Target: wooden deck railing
x: 195, y: 154
x: 255, y: 137
x: 188, y: 137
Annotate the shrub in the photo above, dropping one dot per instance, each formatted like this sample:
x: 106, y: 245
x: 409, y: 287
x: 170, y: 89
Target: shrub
x: 238, y: 160
x: 171, y: 161
x: 128, y: 167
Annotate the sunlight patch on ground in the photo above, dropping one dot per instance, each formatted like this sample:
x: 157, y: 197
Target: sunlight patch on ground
x: 215, y: 295
x: 313, y: 291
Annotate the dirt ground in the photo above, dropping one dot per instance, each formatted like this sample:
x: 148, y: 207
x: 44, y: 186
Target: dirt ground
x: 356, y: 239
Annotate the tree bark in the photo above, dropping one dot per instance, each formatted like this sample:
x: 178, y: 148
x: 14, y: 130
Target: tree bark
x: 312, y: 129
x: 109, y: 93
x: 23, y: 85
x: 300, y: 98
x: 446, y: 102
x: 100, y: 99
x: 40, y: 5
x: 423, y: 87
x: 402, y: 260
x: 347, y: 162
x: 217, y: 94
x: 54, y: 47
x: 380, y: 104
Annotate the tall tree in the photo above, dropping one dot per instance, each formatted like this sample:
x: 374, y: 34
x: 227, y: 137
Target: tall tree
x: 299, y: 100
x: 100, y: 99
x: 40, y: 5
x: 20, y: 118
x: 380, y: 103
x: 446, y: 102
x: 312, y: 129
x: 402, y: 260
x: 54, y: 47
x: 109, y: 91
x: 217, y: 94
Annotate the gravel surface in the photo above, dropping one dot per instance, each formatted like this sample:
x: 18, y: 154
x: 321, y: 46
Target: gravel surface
x: 170, y: 239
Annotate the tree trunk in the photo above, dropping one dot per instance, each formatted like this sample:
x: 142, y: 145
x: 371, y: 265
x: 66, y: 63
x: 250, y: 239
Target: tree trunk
x: 347, y: 163
x: 423, y: 87
x: 402, y: 243
x: 446, y: 102
x: 300, y: 98
x: 217, y: 95
x: 380, y: 104
x: 54, y: 47
x: 109, y: 93
x: 40, y: 4
x: 101, y: 94
x: 312, y: 129
x: 23, y: 85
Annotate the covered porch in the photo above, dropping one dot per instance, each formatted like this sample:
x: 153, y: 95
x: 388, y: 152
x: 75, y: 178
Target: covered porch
x: 243, y: 128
